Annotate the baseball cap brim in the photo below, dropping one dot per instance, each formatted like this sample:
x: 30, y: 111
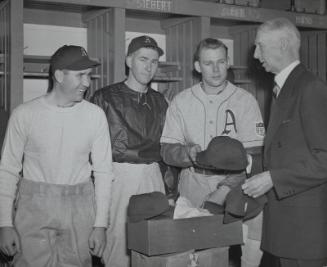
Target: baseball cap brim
x: 167, y: 214
x: 214, y: 208
x: 82, y: 64
x: 201, y: 162
x: 157, y: 48
x: 235, y: 204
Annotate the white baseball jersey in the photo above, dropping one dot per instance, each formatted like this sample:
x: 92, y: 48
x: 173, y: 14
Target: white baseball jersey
x: 193, y: 117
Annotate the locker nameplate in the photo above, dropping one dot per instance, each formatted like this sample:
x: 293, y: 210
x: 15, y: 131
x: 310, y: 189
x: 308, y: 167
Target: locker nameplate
x: 157, y: 5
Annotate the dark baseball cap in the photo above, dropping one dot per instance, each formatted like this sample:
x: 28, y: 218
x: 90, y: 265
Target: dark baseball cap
x: 143, y: 41
x: 71, y: 57
x: 147, y: 206
x: 237, y: 206
x: 223, y: 153
x: 241, y: 206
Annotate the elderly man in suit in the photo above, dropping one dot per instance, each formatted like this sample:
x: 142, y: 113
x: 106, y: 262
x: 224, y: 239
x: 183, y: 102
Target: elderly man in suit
x: 295, y: 154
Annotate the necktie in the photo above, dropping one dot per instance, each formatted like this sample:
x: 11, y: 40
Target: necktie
x: 274, y: 97
x: 276, y: 90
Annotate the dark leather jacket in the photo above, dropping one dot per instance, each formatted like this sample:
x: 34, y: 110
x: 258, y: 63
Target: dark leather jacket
x: 135, y: 121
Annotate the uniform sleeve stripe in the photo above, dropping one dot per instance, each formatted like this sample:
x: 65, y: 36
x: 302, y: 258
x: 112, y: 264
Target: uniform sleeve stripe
x: 252, y: 143
x: 167, y: 139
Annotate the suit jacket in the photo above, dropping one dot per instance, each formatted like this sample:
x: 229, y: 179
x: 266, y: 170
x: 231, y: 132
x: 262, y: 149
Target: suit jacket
x: 295, y: 218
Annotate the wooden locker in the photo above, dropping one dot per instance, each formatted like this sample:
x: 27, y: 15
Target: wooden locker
x: 182, y: 36
x: 314, y: 52
x: 11, y: 65
x: 253, y: 77
x: 106, y: 43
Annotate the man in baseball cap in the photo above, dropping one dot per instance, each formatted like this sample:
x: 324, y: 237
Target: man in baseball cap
x: 63, y: 140
x: 71, y: 57
x: 143, y: 41
x: 135, y: 113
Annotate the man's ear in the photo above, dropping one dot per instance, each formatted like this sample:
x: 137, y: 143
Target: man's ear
x: 129, y: 61
x: 197, y: 66
x: 59, y: 75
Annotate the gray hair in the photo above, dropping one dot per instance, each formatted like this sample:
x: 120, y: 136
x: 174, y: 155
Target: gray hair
x: 287, y: 30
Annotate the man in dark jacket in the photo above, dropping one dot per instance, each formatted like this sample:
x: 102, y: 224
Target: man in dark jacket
x: 136, y: 115
x: 295, y: 156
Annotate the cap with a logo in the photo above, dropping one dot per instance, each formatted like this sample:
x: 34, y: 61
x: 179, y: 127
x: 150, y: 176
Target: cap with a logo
x: 223, y: 153
x: 71, y: 57
x: 147, y: 206
x: 143, y: 41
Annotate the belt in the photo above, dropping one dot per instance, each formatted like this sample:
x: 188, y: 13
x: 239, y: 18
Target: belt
x: 210, y: 172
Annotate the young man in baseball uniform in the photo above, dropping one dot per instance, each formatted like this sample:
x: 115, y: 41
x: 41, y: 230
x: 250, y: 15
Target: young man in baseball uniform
x: 213, y: 107
x: 136, y: 115
x: 53, y: 144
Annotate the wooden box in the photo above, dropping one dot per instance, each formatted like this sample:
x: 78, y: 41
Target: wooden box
x: 214, y: 257
x: 156, y: 237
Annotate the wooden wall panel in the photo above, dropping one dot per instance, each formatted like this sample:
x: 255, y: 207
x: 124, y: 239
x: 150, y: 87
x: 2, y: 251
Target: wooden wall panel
x: 314, y: 52
x: 304, y: 48
x: 16, y: 45
x: 118, y: 34
x: 182, y: 36
x: 107, y: 44
x: 313, y: 60
x: 5, y: 63
x: 255, y: 79
x: 50, y: 17
x: 11, y: 67
x: 5, y: 60
x: 322, y: 56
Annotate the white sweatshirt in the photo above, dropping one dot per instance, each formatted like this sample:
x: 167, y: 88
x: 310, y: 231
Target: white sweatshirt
x: 56, y: 144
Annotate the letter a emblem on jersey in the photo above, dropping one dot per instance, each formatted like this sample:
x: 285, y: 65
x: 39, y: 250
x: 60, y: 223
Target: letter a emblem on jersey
x: 229, y: 122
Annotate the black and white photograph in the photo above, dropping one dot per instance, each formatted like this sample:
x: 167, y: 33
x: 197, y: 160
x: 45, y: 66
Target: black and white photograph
x: 163, y: 133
